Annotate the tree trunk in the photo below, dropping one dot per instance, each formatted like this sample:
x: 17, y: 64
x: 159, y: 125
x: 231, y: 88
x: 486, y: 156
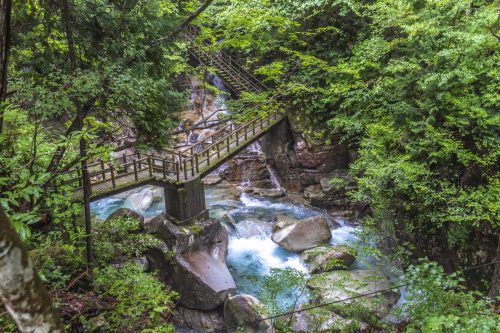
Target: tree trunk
x: 21, y: 290
x: 5, y: 11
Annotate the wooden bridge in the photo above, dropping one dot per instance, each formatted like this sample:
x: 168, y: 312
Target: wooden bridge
x: 179, y: 172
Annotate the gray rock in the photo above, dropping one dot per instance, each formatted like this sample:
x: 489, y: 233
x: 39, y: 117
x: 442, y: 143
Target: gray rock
x: 241, y: 309
x: 127, y: 213
x: 199, y: 271
x: 283, y: 221
x: 212, y: 180
x: 331, y: 192
x: 328, y: 258
x: 140, y: 201
x: 207, y: 321
x: 322, y: 320
x: 302, y: 235
x: 339, y: 285
x: 252, y: 169
x: 270, y: 193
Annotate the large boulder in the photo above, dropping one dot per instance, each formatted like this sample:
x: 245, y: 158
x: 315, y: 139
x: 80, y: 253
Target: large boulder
x: 339, y: 285
x: 126, y: 213
x: 211, y: 180
x: 240, y: 309
x: 303, y: 234
x: 140, y: 201
x: 206, y: 321
x: 322, y: 320
x: 328, y: 258
x: 198, y: 262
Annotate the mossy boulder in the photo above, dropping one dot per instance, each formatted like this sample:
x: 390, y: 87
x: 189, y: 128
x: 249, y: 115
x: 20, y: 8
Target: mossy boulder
x: 338, y: 285
x: 328, y: 258
x: 241, y: 309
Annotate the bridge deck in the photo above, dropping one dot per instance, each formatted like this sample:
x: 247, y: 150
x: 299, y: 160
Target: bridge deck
x: 173, y: 167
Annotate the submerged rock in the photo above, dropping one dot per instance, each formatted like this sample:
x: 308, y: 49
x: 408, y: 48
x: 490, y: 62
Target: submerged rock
x: 338, y: 285
x: 198, y: 262
x: 207, y: 321
x: 140, y: 201
x: 241, y: 309
x: 303, y: 234
x: 269, y: 192
x: 328, y: 258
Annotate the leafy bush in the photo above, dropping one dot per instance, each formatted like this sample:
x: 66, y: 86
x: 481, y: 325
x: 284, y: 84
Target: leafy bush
x: 120, y: 238
x: 142, y: 302
x: 436, y: 302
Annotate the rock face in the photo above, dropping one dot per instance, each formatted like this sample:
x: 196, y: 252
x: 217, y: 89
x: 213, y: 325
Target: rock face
x: 301, y: 163
x: 241, y: 309
x: 199, y: 271
x: 250, y: 168
x: 337, y: 285
x: 303, y: 234
x: 127, y: 213
x: 328, y: 258
x: 140, y: 201
x: 331, y: 191
x: 207, y: 321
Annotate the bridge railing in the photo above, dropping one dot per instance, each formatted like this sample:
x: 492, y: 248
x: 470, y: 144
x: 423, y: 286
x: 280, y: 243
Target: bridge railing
x: 222, y: 59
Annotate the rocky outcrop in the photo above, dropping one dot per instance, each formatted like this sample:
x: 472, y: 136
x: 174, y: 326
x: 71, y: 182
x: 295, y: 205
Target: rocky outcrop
x: 126, y: 213
x: 140, y: 201
x: 206, y: 321
x: 246, y: 168
x: 199, y: 271
x: 299, y: 162
x: 328, y: 258
x: 339, y: 285
x: 302, y: 234
x: 242, y: 309
x: 331, y: 192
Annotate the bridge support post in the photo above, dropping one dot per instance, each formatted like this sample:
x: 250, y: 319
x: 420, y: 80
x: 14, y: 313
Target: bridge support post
x: 186, y: 202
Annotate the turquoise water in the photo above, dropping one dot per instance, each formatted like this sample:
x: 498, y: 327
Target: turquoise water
x: 252, y: 253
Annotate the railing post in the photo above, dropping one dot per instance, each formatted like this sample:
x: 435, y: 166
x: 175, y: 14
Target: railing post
x: 227, y: 143
x: 185, y: 170
x: 192, y: 167
x: 176, y: 168
x: 246, y: 134
x: 253, y: 126
x: 150, y: 166
x: 103, y: 173
x: 197, y: 164
x: 135, y: 171
x: 139, y: 159
x: 218, y: 151
x: 208, y: 157
x: 112, y: 176
x: 180, y: 160
x: 164, y: 169
x: 125, y: 162
x: 237, y: 137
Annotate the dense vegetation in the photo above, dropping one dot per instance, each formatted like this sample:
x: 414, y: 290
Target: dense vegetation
x: 410, y: 85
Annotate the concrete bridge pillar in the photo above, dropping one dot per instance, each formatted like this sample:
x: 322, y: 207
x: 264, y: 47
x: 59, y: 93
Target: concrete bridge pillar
x: 276, y: 141
x: 186, y: 202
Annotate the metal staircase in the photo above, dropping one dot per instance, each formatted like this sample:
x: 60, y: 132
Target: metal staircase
x: 239, y: 79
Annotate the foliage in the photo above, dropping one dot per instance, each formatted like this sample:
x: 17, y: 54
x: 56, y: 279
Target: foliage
x: 437, y: 302
x: 142, y: 303
x: 279, y: 285
x: 121, y: 238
